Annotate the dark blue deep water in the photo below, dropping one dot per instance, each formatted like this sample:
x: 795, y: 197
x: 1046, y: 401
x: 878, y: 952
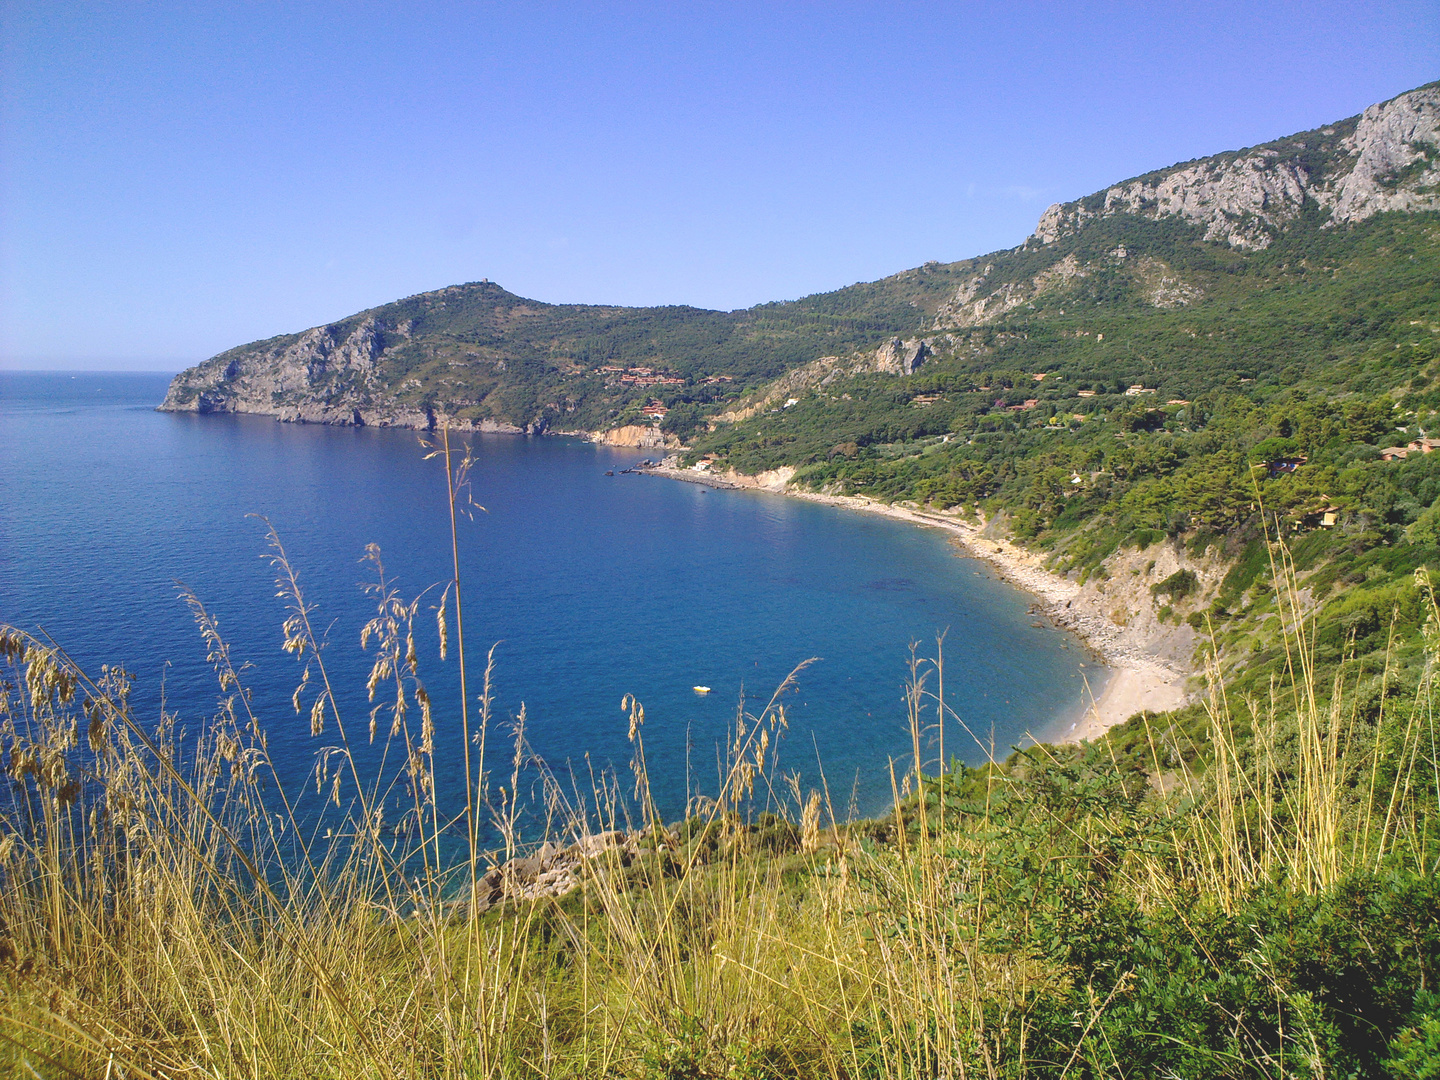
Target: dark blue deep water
x: 594, y: 586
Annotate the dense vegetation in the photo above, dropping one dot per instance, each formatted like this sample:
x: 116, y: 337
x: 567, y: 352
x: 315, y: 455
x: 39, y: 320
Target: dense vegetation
x: 479, y: 351
x: 1243, y: 888
x: 1268, y: 398
x: 1246, y: 891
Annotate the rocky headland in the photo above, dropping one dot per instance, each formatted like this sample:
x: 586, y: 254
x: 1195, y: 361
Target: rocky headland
x: 477, y: 358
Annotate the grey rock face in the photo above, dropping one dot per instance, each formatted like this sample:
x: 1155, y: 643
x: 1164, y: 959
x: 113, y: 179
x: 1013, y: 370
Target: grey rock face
x: 317, y: 376
x: 896, y: 357
x: 977, y: 301
x: 1397, y: 166
x: 1389, y: 161
x: 321, y: 376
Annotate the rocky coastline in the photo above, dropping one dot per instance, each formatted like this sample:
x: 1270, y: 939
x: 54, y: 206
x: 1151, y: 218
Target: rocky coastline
x: 637, y: 436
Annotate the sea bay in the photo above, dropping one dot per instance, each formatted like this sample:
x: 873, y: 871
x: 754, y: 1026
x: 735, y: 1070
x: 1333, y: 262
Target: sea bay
x: 590, y: 586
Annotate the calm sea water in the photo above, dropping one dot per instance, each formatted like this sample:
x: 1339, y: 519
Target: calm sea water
x: 594, y: 586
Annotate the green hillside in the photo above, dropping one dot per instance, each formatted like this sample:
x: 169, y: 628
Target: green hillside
x: 477, y: 351
x: 1232, y: 364
x: 1267, y: 405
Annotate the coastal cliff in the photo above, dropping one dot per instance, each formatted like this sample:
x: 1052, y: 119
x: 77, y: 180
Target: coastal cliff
x: 476, y: 357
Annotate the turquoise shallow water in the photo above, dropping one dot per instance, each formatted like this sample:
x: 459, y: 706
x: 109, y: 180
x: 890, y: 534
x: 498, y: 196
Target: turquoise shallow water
x: 593, y: 586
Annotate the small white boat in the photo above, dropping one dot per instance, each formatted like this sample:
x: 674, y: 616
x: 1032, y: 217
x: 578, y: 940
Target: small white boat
x: 701, y: 690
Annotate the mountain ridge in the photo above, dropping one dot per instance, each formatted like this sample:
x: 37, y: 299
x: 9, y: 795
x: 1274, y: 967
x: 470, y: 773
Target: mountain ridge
x: 479, y: 357
x: 1243, y: 196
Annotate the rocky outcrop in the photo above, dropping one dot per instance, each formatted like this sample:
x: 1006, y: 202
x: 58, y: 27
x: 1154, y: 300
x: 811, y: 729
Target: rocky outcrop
x: 776, y: 480
x: 552, y: 871
x: 976, y: 301
x: 641, y: 435
x: 1397, y: 158
x: 1162, y: 287
x: 897, y: 357
x: 893, y: 357
x: 1388, y: 158
x: 324, y: 375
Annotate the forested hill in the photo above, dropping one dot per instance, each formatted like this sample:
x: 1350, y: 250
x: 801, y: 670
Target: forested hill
x: 1306, y: 270
x: 475, y: 352
x: 1233, y: 349
x: 1224, y: 241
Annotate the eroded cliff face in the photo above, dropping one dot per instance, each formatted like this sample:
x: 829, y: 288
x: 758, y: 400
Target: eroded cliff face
x: 979, y: 301
x: 893, y: 357
x: 639, y: 435
x: 321, y: 376
x: 325, y: 376
x: 1388, y: 158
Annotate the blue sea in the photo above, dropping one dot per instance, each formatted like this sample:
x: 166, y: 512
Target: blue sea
x: 590, y: 587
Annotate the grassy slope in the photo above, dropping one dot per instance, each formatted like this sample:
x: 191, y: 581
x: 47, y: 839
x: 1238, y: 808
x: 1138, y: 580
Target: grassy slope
x: 1249, y: 896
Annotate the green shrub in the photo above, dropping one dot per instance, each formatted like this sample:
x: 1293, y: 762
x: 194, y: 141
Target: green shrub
x: 1177, y: 586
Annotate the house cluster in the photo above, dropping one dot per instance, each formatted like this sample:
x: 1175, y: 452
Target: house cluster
x: 1418, y: 446
x: 1025, y: 406
x: 1138, y: 389
x: 656, y: 410
x: 640, y: 376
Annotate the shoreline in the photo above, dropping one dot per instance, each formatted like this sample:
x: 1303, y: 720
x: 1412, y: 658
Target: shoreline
x: 1137, y: 681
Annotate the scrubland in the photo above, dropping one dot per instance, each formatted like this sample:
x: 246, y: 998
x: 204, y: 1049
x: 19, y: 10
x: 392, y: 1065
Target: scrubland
x: 1245, y: 888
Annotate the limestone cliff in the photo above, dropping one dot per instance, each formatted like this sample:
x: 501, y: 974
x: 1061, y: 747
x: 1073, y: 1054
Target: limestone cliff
x: 1387, y: 158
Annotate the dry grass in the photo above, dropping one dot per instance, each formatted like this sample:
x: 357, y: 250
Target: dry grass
x: 167, y: 913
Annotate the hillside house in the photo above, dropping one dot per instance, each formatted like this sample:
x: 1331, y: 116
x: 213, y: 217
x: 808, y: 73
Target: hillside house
x: 1417, y: 446
x: 1285, y: 465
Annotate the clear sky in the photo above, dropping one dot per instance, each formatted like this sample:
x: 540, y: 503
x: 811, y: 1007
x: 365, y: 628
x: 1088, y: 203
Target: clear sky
x: 178, y: 178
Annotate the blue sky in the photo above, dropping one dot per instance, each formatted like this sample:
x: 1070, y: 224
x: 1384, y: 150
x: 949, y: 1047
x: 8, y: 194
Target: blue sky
x: 176, y: 179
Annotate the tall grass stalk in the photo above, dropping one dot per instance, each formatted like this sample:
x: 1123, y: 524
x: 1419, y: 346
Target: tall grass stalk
x: 171, y: 908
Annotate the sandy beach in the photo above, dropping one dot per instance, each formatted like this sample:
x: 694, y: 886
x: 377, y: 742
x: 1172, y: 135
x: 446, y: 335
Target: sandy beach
x: 1137, y: 679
